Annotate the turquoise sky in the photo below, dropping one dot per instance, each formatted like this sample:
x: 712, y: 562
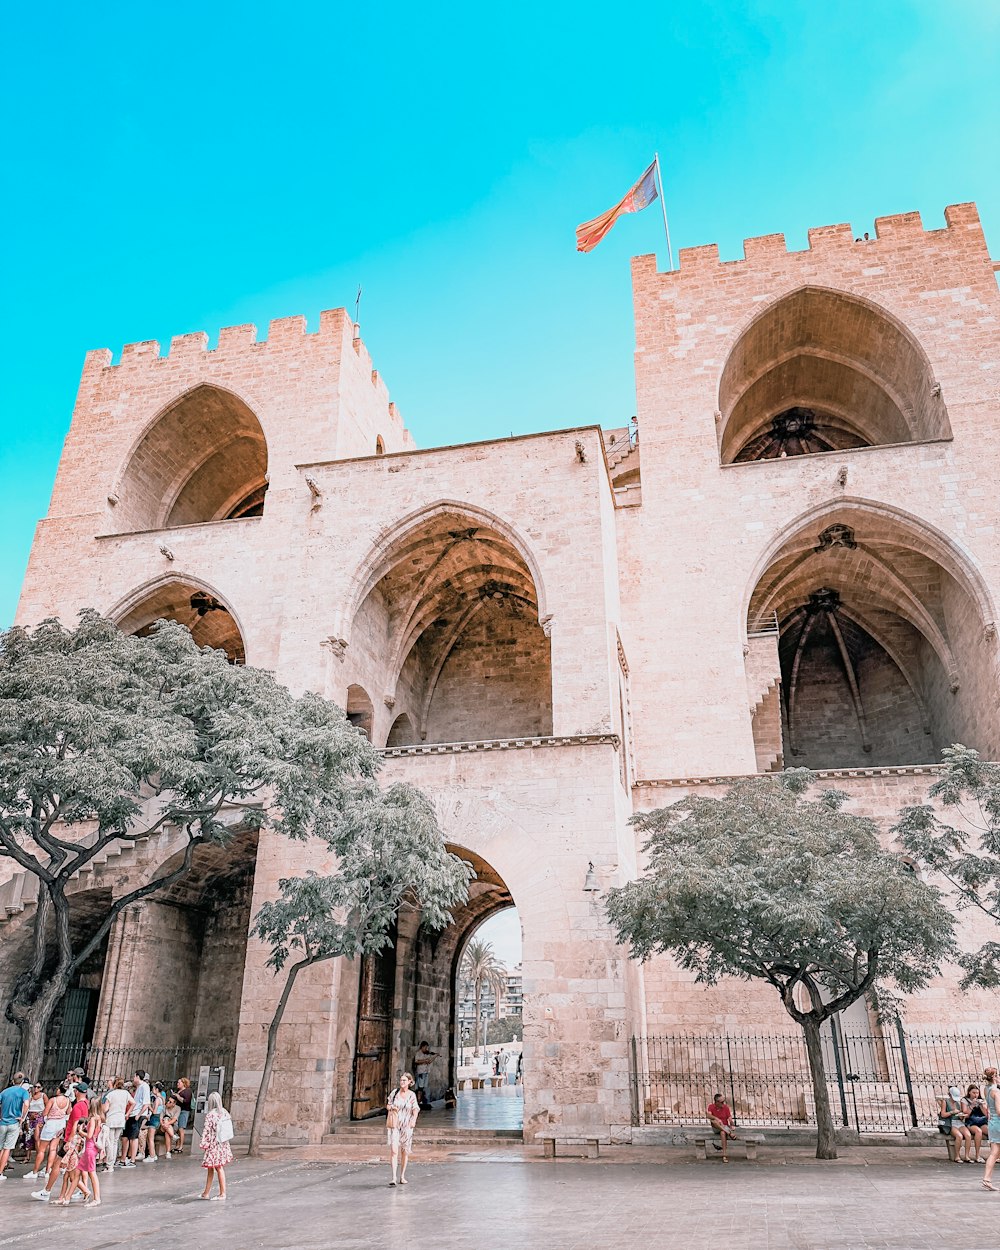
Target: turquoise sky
x: 184, y: 167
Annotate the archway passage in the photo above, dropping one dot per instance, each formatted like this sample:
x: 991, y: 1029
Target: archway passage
x: 448, y: 626
x: 821, y: 370
x: 410, y: 993
x: 884, y: 649
x: 209, y: 620
x: 204, y: 459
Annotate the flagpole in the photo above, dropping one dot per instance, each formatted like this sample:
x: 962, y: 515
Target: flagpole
x: 663, y: 205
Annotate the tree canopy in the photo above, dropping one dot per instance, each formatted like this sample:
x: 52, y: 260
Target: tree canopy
x: 109, y: 738
x: 764, y: 884
x: 964, y: 851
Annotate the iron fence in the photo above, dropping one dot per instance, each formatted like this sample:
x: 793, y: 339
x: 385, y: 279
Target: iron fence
x: 164, y: 1063
x: 877, y: 1082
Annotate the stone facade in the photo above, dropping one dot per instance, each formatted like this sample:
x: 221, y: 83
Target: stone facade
x: 796, y: 565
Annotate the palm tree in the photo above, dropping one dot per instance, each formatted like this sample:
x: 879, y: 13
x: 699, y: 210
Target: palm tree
x: 481, y: 970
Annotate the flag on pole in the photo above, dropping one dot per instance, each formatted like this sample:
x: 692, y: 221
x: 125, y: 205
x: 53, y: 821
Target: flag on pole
x: 639, y: 197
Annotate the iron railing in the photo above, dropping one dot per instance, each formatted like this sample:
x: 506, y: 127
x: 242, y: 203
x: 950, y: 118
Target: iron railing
x: 164, y: 1063
x: 887, y: 1081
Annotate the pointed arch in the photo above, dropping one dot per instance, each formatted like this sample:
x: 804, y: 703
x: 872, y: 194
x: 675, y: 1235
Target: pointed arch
x: 203, y: 457
x: 821, y: 369
x: 187, y: 599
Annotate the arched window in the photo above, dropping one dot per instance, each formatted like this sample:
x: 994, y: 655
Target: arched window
x: 379, y: 446
x: 204, y: 459
x: 209, y: 619
x: 821, y: 370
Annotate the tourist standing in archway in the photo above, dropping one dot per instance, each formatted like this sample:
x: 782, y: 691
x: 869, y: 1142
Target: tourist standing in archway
x: 401, y: 1118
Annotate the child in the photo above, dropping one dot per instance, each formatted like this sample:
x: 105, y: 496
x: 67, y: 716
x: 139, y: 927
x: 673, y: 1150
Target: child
x: 168, y: 1123
x: 88, y: 1156
x: 71, y: 1166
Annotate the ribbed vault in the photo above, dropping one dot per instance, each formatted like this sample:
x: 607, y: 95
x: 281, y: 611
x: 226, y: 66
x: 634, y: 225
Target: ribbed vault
x: 821, y: 370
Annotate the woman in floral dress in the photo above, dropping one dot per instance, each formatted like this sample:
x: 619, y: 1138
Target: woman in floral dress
x: 217, y: 1153
x: 401, y: 1117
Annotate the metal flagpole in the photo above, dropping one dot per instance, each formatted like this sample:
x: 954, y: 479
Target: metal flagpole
x: 663, y: 205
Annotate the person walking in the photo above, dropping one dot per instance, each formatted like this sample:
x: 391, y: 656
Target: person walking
x: 992, y: 1125
x: 401, y: 1118
x: 54, y: 1122
x: 13, y: 1111
x: 88, y: 1155
x: 215, y: 1143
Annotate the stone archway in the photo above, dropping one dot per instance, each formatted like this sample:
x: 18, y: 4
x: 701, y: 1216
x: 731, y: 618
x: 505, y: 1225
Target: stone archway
x: 191, y: 603
x: 875, y: 631
x: 823, y: 370
x: 204, y: 458
x: 407, y: 994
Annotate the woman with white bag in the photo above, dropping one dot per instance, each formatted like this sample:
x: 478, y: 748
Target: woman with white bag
x: 216, y: 1134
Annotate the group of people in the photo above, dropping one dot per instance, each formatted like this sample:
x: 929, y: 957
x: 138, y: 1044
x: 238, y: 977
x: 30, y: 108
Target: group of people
x: 508, y: 1065
x: 972, y: 1118
x: 75, y: 1133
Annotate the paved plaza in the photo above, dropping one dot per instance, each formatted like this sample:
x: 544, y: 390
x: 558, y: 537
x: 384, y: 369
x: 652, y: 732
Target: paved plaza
x: 890, y: 1199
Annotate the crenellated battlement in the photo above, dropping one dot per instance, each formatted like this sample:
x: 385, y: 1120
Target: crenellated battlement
x: 962, y: 229
x: 239, y: 341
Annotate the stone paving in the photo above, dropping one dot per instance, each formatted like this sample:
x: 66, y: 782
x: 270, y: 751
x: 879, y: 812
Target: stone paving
x: 885, y: 1199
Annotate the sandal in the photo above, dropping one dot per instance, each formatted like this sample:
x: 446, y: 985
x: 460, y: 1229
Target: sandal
x: 988, y: 1185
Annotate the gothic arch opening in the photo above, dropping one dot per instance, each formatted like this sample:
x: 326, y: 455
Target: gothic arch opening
x: 875, y: 634
x: 194, y: 938
x: 360, y: 710
x: 203, y: 459
x: 210, y: 621
x: 411, y: 992
x: 448, y: 625
x: 822, y: 370
x: 401, y: 732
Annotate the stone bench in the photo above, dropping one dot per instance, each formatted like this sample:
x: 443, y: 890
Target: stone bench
x: 750, y: 1144
x: 592, y: 1145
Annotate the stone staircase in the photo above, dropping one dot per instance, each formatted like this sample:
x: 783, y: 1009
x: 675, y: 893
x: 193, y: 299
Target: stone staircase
x: 764, y: 689
x: 19, y: 892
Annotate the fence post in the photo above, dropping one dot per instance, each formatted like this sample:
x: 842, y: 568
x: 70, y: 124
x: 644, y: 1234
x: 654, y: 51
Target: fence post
x: 907, y: 1077
x: 836, y: 1037
x: 635, y: 1083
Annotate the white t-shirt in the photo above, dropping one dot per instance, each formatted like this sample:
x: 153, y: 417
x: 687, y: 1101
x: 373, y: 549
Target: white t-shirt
x: 116, y: 1100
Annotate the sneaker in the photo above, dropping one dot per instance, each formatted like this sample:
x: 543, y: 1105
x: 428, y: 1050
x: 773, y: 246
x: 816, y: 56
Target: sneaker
x: 42, y: 1195
x: 167, y: 1155
x: 2, y: 1177
x: 77, y: 1197
x: 109, y: 1168
x: 31, y: 1176
x: 128, y: 1164
x: 149, y: 1159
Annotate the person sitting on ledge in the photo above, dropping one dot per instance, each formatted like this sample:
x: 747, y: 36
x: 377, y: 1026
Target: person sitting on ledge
x: 720, y: 1116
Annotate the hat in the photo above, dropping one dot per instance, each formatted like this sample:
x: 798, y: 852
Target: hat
x: 954, y: 1091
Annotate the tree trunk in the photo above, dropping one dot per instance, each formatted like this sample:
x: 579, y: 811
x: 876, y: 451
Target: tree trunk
x: 826, y: 1141
x: 272, y: 1039
x: 479, y: 991
x: 34, y: 1023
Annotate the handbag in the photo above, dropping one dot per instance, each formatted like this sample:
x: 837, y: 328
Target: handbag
x: 224, y: 1130
x: 392, y: 1115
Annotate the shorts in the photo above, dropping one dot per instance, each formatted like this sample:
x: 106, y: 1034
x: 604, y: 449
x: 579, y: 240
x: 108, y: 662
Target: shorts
x: 9, y: 1133
x: 154, y: 1122
x: 994, y: 1131
x: 133, y: 1128
x: 51, y: 1130
x: 182, y: 1119
x: 423, y: 1080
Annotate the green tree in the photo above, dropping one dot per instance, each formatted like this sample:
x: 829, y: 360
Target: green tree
x: 107, y: 738
x: 506, y: 1029
x: 761, y: 884
x: 965, y: 852
x: 480, y: 969
x: 391, y: 857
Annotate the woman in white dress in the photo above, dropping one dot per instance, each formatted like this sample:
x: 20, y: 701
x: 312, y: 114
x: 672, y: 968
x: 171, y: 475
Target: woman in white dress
x: 401, y: 1117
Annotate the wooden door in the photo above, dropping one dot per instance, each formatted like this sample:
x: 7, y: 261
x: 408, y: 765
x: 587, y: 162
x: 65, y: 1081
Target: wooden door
x: 373, y: 1051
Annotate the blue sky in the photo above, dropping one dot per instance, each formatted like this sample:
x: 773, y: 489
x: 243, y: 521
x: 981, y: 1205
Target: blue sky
x: 186, y: 167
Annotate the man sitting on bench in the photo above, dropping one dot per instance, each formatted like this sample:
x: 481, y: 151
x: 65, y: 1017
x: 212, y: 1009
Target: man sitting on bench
x: 720, y: 1116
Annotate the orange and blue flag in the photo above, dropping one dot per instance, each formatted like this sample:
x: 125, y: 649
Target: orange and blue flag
x: 639, y: 197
